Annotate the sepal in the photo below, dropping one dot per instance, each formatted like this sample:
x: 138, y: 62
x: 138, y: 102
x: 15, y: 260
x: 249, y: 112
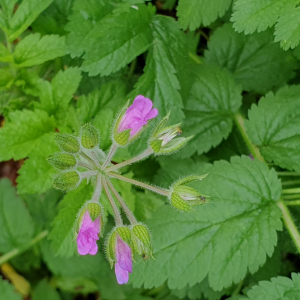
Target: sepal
x: 89, y: 136
x: 67, y: 143
x: 67, y: 181
x: 62, y: 161
x: 142, y: 240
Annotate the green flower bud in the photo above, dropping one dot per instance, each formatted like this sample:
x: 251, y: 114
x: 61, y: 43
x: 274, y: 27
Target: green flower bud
x: 122, y: 137
x: 142, y: 240
x: 67, y: 143
x: 62, y: 161
x: 89, y: 136
x: 184, y: 197
x: 67, y: 181
x: 164, y: 140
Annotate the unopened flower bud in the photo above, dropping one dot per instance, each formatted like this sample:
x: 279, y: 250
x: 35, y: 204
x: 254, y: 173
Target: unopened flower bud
x: 132, y: 120
x: 62, y: 161
x: 89, y: 136
x: 67, y: 143
x: 66, y: 181
x: 164, y: 140
x: 184, y: 197
x: 142, y: 240
x: 119, y: 253
x: 89, y: 228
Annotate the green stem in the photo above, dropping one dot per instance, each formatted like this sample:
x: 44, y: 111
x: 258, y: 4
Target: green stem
x: 287, y: 197
x: 88, y: 174
x: 132, y: 68
x: 292, y: 203
x: 141, y: 156
x: 4, y: 258
x: 140, y: 184
x: 291, y: 191
x: 291, y: 182
x: 110, y: 155
x: 98, y: 189
x: 85, y: 165
x: 118, y: 218
x: 238, y: 288
x: 288, y: 174
x: 290, y: 225
x: 88, y: 158
x: 239, y: 121
x: 195, y: 58
x: 127, y: 211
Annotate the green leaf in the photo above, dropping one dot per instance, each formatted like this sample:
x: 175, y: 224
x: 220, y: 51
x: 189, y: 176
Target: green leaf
x: 22, y: 134
x: 62, y: 234
x: 279, y: 288
x: 117, y: 40
x: 163, y: 81
x: 6, y: 11
x: 287, y: 29
x: 7, y: 291
x: 44, y: 291
x: 95, y: 268
x: 86, y: 15
x: 34, y: 50
x: 26, y: 13
x: 36, y: 175
x: 213, y: 100
x: 251, y: 58
x: 111, y: 95
x: 231, y: 234
x: 64, y: 85
x: 193, y: 13
x: 249, y: 16
x: 16, y: 227
x: 274, y: 126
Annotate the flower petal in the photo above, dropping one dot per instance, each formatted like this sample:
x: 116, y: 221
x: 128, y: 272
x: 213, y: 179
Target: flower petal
x: 123, y: 255
x: 122, y: 276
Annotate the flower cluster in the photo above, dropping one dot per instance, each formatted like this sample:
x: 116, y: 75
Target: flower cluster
x: 81, y: 158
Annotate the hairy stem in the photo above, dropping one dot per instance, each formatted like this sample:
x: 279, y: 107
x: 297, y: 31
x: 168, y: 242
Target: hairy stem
x: 290, y: 225
x: 87, y: 174
x: 141, y: 156
x: 127, y: 211
x: 288, y: 174
x: 98, y: 189
x: 141, y: 184
x: 239, y: 121
x: 88, y: 159
x: 292, y: 203
x: 288, y: 221
x: 291, y: 182
x: 118, y: 218
x: 291, y: 191
x: 95, y: 159
x: 110, y: 155
x: 85, y: 165
x: 4, y: 258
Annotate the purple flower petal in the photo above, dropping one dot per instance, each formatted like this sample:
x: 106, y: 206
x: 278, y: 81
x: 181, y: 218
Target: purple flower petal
x: 122, y: 276
x: 88, y: 235
x: 137, y: 115
x: 123, y: 255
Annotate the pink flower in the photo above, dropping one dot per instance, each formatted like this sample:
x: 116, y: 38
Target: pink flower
x: 123, y: 263
x: 88, y: 235
x: 137, y: 115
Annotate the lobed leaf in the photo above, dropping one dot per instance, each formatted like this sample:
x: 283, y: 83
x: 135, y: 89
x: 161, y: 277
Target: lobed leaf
x: 193, y: 13
x: 16, y: 226
x: 254, y: 60
x: 214, y: 99
x: 163, y: 80
x: 34, y: 50
x: 249, y: 16
x: 279, y: 288
x: 63, y: 234
x: 45, y: 291
x: 22, y: 134
x: 274, y: 126
x: 231, y: 234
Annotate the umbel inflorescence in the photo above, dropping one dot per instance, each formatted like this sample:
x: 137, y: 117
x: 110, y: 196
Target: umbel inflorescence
x: 81, y: 158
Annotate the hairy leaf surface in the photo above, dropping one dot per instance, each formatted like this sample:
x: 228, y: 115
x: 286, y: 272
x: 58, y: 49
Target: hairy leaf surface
x: 232, y: 233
